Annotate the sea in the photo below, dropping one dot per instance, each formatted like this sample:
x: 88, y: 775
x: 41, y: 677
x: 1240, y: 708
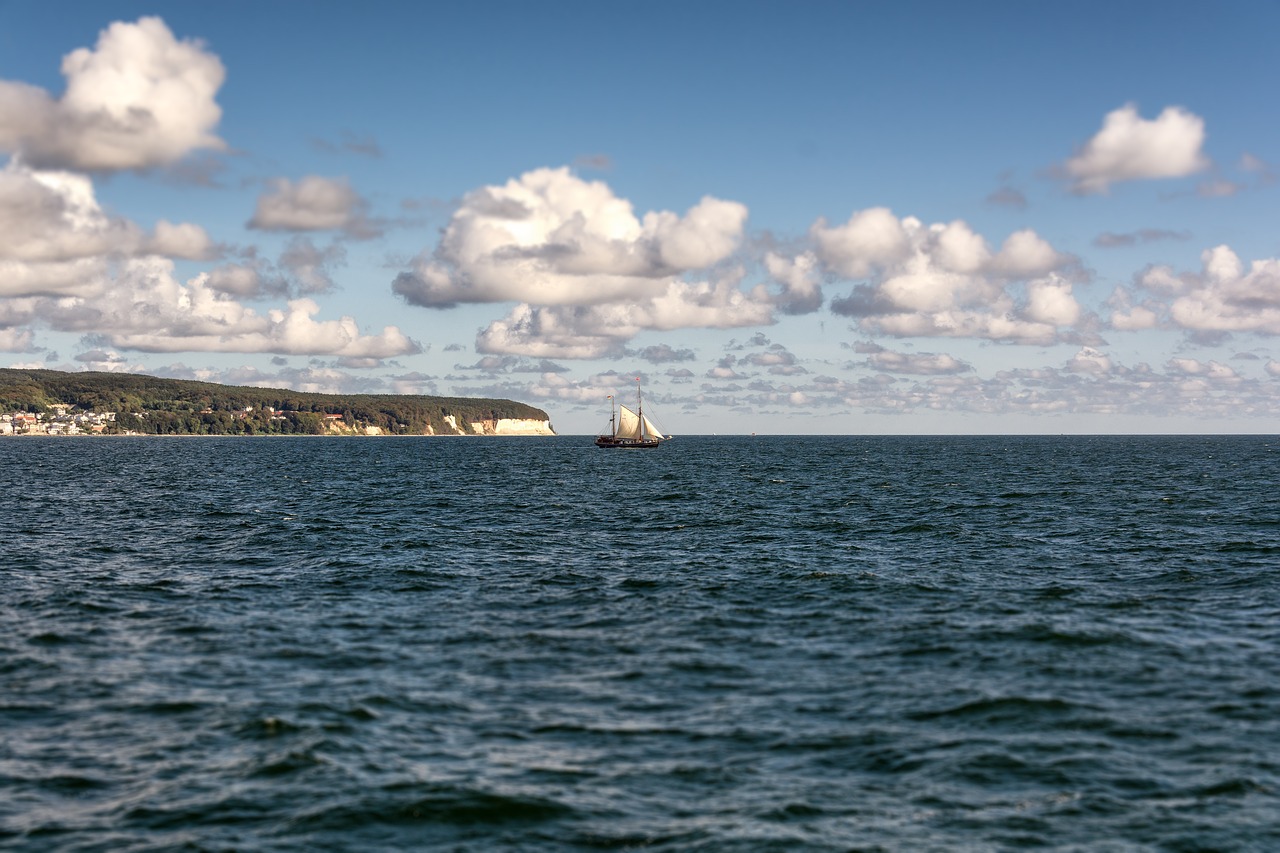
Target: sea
x: 725, y: 644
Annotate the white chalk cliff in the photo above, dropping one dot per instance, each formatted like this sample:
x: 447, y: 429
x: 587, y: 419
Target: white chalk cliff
x: 500, y: 426
x: 513, y: 426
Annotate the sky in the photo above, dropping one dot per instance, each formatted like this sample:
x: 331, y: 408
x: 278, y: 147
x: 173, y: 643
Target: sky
x: 786, y: 218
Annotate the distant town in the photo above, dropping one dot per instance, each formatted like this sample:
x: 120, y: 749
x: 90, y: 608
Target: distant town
x: 58, y: 421
x: 66, y: 420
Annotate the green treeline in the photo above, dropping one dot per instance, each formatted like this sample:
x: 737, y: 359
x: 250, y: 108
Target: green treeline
x: 148, y: 404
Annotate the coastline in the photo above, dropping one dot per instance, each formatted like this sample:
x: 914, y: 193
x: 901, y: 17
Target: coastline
x: 277, y: 435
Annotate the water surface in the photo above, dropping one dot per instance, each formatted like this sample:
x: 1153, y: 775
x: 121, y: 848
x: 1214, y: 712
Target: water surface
x: 724, y: 644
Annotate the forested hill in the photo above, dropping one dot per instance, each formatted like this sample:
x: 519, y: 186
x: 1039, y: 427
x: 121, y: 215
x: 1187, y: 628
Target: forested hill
x: 177, y: 406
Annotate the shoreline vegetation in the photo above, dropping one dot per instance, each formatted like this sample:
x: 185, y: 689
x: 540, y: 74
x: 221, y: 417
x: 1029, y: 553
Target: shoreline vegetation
x: 51, y: 402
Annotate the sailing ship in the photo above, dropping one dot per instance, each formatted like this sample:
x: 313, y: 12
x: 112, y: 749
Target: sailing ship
x: 630, y: 430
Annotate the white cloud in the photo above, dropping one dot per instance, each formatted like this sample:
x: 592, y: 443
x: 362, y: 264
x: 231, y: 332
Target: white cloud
x: 183, y: 240
x: 83, y: 277
x: 801, y: 291
x: 563, y: 331
x: 958, y: 249
x: 16, y: 340
x: 291, y: 331
x: 1162, y: 279
x: 593, y: 389
x: 943, y: 280
x: 1222, y: 267
x: 1128, y: 317
x: 245, y: 280
x: 55, y: 239
x: 314, y: 203
x: 1050, y: 301
x: 552, y: 332
x: 723, y: 371
x: 716, y: 304
x: 704, y: 236
x: 1129, y: 148
x: 303, y: 269
x: 775, y: 356
x: 551, y: 238
x: 665, y: 354
x: 994, y: 326
x: 588, y: 273
x: 1212, y: 370
x: 1025, y: 254
x: 311, y: 267
x: 1222, y: 297
x: 1089, y: 383
x: 1090, y: 360
x: 140, y: 99
x: 66, y: 264
x: 872, y: 240
x: 54, y: 217
x: 920, y: 286
x: 143, y: 307
x: 925, y: 363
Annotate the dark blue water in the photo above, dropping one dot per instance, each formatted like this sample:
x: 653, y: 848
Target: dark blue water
x: 745, y: 644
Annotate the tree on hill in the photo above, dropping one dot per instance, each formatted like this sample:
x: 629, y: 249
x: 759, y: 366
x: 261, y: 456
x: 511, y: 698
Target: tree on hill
x: 175, y: 406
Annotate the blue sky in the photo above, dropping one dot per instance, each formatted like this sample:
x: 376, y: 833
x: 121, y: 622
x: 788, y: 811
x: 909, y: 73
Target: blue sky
x: 784, y: 218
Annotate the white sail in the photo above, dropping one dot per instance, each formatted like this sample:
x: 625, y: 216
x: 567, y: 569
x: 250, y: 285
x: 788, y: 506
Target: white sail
x: 650, y: 430
x: 628, y: 423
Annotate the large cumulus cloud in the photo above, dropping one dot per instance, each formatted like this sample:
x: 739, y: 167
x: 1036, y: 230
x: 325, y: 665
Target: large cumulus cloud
x: 587, y: 273
x: 56, y: 240
x: 140, y: 99
x: 945, y: 280
x: 1222, y: 297
x: 551, y: 238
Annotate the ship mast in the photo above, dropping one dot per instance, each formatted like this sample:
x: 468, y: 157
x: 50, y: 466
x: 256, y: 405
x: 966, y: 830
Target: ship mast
x: 640, y: 408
